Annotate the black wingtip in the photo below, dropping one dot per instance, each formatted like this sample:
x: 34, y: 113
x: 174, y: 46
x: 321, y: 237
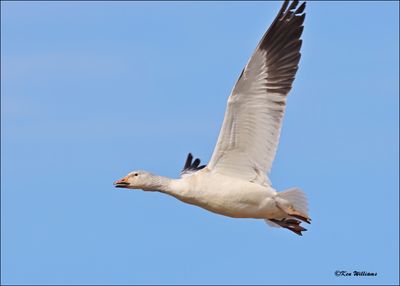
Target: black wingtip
x: 284, y: 6
x: 301, y: 8
x: 188, y: 162
x: 192, y: 166
x: 196, y: 163
x: 293, y: 5
x: 288, y: 11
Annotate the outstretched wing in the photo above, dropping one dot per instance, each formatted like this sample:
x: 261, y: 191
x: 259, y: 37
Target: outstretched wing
x: 249, y: 136
x: 191, y: 166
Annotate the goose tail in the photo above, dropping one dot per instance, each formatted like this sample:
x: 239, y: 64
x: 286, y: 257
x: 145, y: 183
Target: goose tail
x: 294, y: 203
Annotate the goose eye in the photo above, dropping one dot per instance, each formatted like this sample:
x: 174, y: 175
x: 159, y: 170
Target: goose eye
x: 136, y: 174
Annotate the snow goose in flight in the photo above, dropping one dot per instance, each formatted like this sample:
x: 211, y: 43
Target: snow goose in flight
x: 234, y: 183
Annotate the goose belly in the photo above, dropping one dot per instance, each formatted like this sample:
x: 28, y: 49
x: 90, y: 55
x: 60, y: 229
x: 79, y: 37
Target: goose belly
x: 233, y: 198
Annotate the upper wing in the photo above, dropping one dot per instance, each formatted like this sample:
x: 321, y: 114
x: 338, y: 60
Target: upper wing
x: 250, y: 133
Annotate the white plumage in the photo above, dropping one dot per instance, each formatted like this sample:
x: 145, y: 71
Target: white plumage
x: 235, y: 182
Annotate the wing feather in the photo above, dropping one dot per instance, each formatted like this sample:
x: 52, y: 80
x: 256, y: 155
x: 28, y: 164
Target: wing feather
x: 191, y: 167
x: 250, y: 132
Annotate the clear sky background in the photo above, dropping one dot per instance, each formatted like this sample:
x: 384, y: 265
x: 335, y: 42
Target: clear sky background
x: 93, y: 90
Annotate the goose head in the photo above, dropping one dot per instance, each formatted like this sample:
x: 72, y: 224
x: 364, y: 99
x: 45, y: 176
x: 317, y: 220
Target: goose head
x: 137, y: 180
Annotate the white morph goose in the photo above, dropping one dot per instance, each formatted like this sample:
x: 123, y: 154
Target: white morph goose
x: 234, y: 183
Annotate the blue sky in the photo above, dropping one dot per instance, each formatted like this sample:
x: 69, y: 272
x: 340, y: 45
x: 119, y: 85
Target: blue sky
x: 93, y: 90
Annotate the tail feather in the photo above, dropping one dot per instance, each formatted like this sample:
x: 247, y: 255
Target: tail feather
x: 294, y: 203
x: 296, y: 198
